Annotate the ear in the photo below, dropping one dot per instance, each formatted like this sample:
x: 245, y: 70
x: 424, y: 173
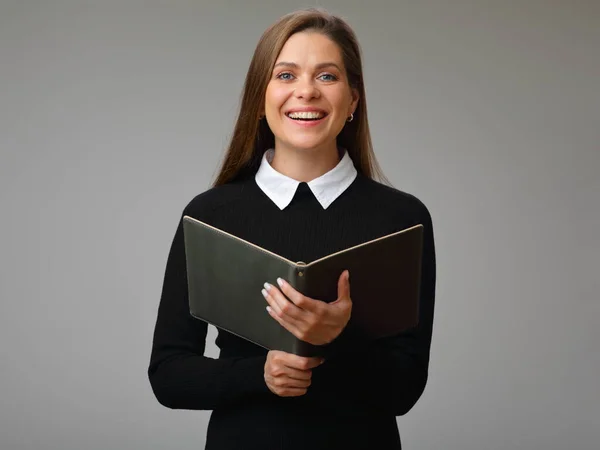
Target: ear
x: 354, y: 103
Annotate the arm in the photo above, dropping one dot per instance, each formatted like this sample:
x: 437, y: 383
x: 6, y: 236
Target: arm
x: 388, y: 375
x: 180, y: 376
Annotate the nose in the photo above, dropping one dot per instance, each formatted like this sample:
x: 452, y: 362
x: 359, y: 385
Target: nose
x: 306, y: 89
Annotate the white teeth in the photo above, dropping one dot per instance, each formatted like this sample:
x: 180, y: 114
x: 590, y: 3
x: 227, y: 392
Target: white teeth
x: 306, y: 115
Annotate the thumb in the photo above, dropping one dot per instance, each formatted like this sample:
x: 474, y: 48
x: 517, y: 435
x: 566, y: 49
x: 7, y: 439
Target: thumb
x: 344, y: 286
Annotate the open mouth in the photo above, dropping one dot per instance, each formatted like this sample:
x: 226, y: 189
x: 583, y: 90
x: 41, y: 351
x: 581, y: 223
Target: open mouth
x: 307, y: 116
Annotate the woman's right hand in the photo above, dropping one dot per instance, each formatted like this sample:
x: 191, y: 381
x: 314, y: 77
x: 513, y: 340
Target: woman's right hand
x: 289, y: 375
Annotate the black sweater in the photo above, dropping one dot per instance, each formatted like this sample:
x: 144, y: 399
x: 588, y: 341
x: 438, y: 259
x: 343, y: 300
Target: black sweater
x: 354, y: 398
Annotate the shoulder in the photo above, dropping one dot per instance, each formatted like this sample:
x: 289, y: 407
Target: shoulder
x: 393, y: 200
x: 204, y: 204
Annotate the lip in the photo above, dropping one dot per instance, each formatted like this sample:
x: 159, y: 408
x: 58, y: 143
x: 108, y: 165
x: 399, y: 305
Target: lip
x: 306, y: 109
x: 308, y: 123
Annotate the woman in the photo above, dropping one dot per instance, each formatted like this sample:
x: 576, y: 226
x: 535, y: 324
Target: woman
x: 298, y: 180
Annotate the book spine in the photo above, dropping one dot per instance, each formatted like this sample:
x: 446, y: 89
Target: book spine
x: 298, y: 277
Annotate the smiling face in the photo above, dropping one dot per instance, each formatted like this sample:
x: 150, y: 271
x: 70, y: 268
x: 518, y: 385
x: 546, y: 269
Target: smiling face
x: 308, y: 98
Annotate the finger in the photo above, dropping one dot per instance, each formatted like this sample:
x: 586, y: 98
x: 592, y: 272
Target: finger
x: 285, y: 322
x: 271, y: 301
x: 278, y: 373
x: 297, y: 374
x: 286, y: 381
x: 284, y: 307
x: 344, y: 286
x: 286, y: 312
x: 301, y: 301
x: 291, y: 392
x: 287, y: 387
x: 295, y: 361
x: 281, y: 379
x: 301, y: 362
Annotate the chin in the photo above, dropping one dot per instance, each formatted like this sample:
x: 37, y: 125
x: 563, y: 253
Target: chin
x: 305, y: 144
x: 305, y: 147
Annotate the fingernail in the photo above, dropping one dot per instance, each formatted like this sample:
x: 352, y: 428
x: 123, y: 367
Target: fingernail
x: 267, y: 286
x: 264, y: 293
x: 268, y: 309
x: 280, y: 282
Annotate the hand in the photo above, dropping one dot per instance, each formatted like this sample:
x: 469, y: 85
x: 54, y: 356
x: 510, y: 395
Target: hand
x: 289, y: 375
x: 312, y: 321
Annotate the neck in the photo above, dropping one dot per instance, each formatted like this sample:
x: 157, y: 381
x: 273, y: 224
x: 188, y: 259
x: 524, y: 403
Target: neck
x: 304, y: 164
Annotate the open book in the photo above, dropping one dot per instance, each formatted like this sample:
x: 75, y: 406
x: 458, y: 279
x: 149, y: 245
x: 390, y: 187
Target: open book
x: 226, y: 274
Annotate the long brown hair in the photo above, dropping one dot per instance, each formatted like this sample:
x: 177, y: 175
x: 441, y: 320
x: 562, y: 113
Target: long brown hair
x: 252, y: 135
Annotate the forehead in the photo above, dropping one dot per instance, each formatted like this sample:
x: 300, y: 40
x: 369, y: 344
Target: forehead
x: 310, y: 48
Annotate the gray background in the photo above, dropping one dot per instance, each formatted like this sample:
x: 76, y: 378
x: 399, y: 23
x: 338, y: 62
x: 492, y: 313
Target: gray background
x: 113, y: 115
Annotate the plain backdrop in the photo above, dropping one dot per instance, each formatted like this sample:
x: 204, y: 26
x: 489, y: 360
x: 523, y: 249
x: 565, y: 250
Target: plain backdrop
x: 115, y: 114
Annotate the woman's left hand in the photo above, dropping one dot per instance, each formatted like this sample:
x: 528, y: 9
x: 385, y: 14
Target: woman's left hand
x: 310, y: 320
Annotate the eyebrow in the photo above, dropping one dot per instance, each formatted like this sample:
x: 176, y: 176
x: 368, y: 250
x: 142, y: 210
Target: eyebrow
x: 318, y: 66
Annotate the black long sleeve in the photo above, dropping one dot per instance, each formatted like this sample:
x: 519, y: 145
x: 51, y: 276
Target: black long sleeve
x: 180, y: 376
x: 388, y: 375
x: 357, y: 395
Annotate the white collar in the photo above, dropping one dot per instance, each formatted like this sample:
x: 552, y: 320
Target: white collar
x: 326, y: 188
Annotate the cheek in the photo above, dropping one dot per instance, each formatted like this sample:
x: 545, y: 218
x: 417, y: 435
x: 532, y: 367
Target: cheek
x: 275, y: 98
x: 341, y: 101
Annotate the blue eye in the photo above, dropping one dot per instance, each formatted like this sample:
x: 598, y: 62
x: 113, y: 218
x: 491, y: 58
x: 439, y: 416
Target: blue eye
x: 282, y: 76
x: 333, y: 77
